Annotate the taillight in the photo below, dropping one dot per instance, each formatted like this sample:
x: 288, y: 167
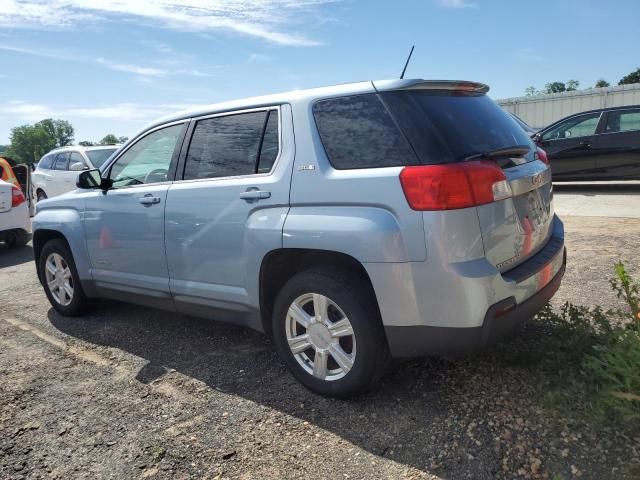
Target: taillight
x: 455, y: 185
x: 542, y: 156
x: 17, y: 198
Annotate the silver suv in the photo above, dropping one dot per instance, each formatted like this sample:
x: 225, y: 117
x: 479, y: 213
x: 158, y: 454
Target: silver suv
x: 351, y: 223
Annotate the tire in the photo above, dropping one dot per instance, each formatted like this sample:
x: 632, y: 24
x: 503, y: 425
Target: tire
x: 364, y: 353
x: 41, y: 195
x: 78, y: 303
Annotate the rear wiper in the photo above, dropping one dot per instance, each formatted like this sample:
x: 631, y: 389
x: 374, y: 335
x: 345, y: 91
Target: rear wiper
x: 514, y: 151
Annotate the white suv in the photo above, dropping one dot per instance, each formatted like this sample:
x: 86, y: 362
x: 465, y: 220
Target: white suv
x: 57, y: 171
x: 15, y: 224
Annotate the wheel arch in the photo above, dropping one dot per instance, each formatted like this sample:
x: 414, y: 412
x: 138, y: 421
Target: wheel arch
x: 278, y: 266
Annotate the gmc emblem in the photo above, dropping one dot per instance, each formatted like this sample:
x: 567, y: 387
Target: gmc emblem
x: 537, y: 180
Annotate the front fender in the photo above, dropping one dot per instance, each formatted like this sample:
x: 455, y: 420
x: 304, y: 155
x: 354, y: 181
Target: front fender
x: 368, y: 234
x: 67, y: 222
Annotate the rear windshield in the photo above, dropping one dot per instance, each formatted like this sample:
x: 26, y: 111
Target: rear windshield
x: 98, y: 157
x: 413, y: 127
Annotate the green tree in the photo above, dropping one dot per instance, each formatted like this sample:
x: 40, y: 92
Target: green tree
x: 572, y: 85
x: 60, y: 130
x: 29, y: 143
x: 123, y: 139
x: 602, y: 83
x: 85, y: 143
x: 109, y: 139
x: 555, y: 87
x: 530, y: 91
x: 633, y: 77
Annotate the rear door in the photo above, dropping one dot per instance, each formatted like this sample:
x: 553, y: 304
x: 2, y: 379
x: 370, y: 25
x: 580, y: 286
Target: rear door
x: 619, y: 145
x: 227, y: 210
x: 571, y: 146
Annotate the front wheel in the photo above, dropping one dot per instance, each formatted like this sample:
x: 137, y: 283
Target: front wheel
x: 328, y: 331
x: 60, y: 279
x: 41, y: 195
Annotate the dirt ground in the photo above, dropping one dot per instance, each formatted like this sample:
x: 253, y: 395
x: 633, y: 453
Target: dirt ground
x: 129, y: 392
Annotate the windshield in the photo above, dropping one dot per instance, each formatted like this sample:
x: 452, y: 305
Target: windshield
x: 98, y: 157
x: 445, y: 127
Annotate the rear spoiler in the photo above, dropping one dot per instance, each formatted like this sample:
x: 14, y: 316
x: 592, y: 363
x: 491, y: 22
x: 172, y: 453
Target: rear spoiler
x: 419, y: 84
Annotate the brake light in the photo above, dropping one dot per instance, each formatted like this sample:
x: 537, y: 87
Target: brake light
x: 542, y: 156
x: 453, y: 186
x: 17, y: 198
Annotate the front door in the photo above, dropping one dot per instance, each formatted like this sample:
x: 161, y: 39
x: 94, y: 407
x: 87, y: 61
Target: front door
x: 228, y: 211
x: 571, y: 147
x: 124, y: 226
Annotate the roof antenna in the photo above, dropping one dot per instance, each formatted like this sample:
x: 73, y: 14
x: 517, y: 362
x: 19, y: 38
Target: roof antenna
x: 407, y: 64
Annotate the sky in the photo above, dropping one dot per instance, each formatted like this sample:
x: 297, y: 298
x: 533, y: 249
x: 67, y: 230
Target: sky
x: 111, y: 66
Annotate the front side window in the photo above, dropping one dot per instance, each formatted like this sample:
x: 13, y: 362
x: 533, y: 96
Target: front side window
x: 581, y: 126
x: 148, y: 160
x: 358, y: 132
x: 232, y: 145
x: 623, y: 121
x: 75, y: 157
x: 60, y: 162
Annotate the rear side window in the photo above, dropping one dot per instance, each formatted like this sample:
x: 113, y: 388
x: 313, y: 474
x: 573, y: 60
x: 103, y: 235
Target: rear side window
x: 61, y: 161
x: 623, y: 121
x: 448, y: 126
x: 232, y: 145
x: 358, y: 132
x: 46, y: 162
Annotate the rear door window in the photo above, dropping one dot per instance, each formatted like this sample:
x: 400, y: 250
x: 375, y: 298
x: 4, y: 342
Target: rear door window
x: 233, y: 145
x: 358, y: 132
x: 622, y: 121
x: 60, y: 162
x: 47, y: 162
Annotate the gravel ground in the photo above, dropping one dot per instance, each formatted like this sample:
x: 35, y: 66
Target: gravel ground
x: 130, y: 392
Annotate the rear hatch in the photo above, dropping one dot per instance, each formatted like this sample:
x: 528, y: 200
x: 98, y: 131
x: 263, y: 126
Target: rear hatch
x: 456, y: 126
x: 5, y: 196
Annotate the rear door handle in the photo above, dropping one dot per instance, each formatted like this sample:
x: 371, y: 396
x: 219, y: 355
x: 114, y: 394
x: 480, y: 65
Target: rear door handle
x: 255, y: 195
x: 149, y: 199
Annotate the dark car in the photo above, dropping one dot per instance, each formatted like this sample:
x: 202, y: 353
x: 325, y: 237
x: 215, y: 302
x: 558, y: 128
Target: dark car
x: 596, y: 145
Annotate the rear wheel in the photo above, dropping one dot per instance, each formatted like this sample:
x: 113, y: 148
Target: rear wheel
x: 60, y: 279
x: 327, y: 329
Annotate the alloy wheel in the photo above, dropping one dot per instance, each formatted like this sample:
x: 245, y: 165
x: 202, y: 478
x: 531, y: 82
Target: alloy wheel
x: 59, y: 279
x: 320, y: 337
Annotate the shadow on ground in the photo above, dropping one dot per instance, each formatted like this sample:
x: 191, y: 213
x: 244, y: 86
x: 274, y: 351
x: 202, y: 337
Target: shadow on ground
x: 421, y: 409
x: 598, y: 188
x: 12, y: 256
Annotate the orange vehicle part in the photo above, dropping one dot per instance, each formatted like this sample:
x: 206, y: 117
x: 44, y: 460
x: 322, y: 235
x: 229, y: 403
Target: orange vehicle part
x: 6, y: 173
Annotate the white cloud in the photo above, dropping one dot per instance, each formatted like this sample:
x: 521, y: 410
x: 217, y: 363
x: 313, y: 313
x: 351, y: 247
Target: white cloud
x: 128, y: 111
x: 269, y: 20
x: 259, y: 58
x: 456, y: 4
x: 137, y: 69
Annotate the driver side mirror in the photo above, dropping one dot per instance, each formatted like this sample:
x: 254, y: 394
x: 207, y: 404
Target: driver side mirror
x: 78, y: 167
x: 92, y: 179
x: 536, y: 137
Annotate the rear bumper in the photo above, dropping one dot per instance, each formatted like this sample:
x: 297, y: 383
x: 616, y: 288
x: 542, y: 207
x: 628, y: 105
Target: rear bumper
x: 436, y: 308
x: 413, y: 341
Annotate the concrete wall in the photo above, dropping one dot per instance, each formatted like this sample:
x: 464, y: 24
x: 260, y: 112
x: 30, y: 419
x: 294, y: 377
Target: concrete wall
x: 542, y: 110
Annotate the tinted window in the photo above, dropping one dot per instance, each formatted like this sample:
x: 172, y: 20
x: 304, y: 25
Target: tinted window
x: 270, y: 144
x: 449, y: 126
x: 148, y: 160
x: 75, y: 157
x: 225, y: 146
x: 624, y: 121
x: 98, y: 157
x: 580, y: 126
x: 46, y: 162
x: 60, y: 162
x: 358, y: 132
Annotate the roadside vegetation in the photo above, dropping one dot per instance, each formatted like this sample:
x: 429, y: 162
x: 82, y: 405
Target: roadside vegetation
x: 588, y: 358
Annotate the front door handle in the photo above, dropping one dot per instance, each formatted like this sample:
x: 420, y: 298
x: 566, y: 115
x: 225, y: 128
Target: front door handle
x: 254, y: 194
x: 149, y: 199
x: 586, y: 143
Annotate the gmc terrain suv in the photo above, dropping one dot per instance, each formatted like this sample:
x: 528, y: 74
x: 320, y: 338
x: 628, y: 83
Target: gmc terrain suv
x: 350, y: 223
